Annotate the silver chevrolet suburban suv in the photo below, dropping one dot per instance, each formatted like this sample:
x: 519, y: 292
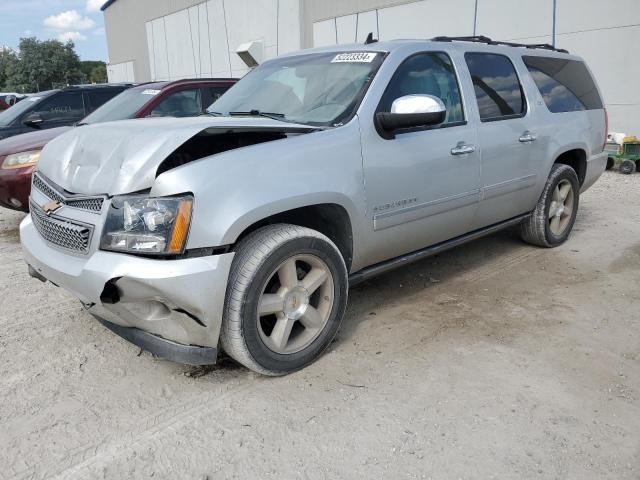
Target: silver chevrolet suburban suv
x: 244, y: 229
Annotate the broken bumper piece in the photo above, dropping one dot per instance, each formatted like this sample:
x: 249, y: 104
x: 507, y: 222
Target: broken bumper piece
x: 160, y: 347
x: 172, y: 308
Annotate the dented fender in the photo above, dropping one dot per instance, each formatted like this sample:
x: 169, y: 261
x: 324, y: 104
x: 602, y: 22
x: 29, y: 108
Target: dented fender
x: 259, y: 181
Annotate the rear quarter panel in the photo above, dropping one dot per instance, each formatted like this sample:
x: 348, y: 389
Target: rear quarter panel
x: 562, y: 132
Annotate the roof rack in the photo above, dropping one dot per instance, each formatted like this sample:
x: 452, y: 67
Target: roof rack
x: 488, y: 41
x: 98, y: 85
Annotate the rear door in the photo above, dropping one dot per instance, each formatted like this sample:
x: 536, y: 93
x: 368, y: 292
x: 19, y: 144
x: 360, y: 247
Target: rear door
x: 507, y: 134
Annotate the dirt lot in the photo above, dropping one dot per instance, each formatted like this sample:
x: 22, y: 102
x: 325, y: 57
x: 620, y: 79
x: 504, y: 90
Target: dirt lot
x: 495, y: 360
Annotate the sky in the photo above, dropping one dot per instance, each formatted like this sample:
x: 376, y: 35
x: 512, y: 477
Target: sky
x: 78, y: 20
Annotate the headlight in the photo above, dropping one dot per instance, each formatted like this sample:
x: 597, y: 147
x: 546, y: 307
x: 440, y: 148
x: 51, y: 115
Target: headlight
x: 21, y: 160
x: 153, y: 226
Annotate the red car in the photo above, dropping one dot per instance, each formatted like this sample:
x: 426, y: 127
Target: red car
x: 183, y: 98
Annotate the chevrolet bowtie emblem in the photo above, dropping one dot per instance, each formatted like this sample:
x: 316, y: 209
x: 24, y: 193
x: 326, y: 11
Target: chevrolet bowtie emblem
x: 51, y: 207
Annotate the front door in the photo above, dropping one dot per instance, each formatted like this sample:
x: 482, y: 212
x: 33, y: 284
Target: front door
x: 422, y: 187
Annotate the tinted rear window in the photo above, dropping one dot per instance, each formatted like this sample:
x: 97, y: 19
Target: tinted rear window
x: 496, y: 85
x: 565, y: 85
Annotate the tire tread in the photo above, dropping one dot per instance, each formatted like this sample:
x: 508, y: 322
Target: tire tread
x: 251, y: 253
x: 534, y: 229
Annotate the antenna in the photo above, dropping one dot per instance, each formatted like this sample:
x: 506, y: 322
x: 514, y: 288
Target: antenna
x: 370, y: 39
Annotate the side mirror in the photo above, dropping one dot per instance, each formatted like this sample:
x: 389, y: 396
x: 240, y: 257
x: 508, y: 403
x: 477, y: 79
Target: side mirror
x: 411, y: 111
x: 33, y: 120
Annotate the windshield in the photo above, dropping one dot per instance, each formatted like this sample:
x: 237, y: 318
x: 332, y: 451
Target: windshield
x: 122, y: 107
x: 11, y: 114
x: 322, y: 89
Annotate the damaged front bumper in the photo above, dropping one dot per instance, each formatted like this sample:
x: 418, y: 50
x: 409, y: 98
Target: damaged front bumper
x: 172, y: 308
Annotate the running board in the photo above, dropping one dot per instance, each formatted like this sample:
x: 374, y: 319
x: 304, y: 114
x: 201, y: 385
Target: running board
x: 383, y: 267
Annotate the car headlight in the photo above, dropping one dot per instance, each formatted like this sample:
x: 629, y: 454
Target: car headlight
x: 152, y: 226
x: 21, y: 160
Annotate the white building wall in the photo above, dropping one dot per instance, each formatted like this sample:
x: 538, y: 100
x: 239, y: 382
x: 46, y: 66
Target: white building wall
x: 121, y: 72
x: 605, y: 34
x: 201, y: 41
x: 170, y: 39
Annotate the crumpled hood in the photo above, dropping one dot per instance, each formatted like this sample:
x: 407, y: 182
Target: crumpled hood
x: 123, y: 157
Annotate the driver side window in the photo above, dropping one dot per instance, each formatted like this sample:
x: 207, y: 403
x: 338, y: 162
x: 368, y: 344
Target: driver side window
x: 426, y: 74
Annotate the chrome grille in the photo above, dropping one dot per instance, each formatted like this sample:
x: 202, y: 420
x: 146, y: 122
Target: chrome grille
x: 61, y: 232
x: 46, y: 189
x: 90, y: 204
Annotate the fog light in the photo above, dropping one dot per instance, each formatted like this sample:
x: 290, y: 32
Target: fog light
x: 15, y: 202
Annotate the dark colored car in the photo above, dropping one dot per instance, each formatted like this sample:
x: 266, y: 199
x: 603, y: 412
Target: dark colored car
x: 184, y: 98
x: 56, y: 108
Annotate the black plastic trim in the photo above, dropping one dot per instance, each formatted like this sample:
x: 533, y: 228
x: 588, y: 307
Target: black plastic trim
x: 488, y: 41
x: 161, y: 347
x: 383, y: 267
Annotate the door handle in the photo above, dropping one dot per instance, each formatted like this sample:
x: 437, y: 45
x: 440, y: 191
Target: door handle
x: 463, y: 149
x: 527, y: 137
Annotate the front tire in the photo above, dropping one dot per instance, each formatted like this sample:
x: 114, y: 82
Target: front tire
x: 286, y: 297
x: 552, y: 220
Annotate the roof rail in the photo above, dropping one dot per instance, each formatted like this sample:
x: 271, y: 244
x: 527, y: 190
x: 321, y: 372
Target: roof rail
x: 488, y: 41
x: 98, y: 85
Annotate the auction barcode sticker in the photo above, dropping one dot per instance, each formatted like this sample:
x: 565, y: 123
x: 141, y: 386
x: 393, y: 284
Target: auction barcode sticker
x: 355, y: 57
x: 150, y: 92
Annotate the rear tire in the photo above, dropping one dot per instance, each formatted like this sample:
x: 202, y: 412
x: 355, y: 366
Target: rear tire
x: 286, y: 297
x: 552, y: 220
x: 610, y: 163
x: 637, y: 165
x: 627, y: 167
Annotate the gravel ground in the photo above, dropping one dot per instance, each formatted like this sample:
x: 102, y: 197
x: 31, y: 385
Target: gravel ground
x: 494, y: 360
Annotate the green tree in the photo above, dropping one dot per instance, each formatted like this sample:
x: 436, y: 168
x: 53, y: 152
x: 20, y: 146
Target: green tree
x: 87, y: 66
x: 98, y: 74
x: 8, y: 60
x: 43, y: 65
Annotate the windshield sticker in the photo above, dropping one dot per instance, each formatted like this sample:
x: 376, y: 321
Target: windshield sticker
x: 33, y: 99
x: 150, y: 92
x: 355, y: 57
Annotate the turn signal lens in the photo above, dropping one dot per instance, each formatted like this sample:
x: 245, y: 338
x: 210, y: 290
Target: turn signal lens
x: 181, y: 227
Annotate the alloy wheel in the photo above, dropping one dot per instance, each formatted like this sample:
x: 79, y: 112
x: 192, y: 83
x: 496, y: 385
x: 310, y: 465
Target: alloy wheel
x: 561, y: 208
x: 295, y: 304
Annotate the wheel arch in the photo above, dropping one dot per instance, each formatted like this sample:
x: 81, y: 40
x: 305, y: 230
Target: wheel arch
x: 330, y: 217
x: 575, y: 158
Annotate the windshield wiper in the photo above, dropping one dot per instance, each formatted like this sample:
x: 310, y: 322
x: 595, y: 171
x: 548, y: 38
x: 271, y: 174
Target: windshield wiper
x: 258, y: 113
